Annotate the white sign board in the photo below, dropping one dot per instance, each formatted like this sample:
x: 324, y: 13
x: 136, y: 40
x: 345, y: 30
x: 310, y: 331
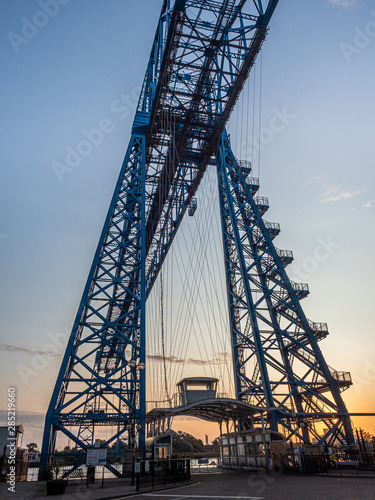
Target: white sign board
x: 96, y: 456
x: 137, y: 467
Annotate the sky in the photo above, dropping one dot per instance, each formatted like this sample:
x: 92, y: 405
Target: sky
x: 77, y: 65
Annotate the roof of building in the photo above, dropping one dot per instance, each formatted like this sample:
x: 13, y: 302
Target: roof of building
x: 150, y: 441
x: 198, y: 379
x: 213, y: 410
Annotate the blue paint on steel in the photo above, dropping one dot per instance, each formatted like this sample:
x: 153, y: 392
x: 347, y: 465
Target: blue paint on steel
x: 267, y: 296
x: 230, y: 223
x: 108, y: 323
x: 178, y: 127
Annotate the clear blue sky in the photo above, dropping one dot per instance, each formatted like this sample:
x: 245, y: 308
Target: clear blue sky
x: 317, y: 170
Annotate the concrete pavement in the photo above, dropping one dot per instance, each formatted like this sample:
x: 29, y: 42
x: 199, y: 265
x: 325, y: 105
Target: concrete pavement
x: 113, y: 488
x: 227, y: 485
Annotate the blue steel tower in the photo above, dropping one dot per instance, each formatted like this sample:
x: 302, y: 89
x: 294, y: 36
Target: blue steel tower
x: 202, y: 54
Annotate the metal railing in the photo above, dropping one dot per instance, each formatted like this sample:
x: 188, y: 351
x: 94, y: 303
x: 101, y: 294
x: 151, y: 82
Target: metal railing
x: 318, y: 327
x: 262, y: 201
x: 153, y: 473
x: 341, y: 376
x: 272, y: 226
x: 300, y: 287
x: 210, y: 464
x: 339, y: 463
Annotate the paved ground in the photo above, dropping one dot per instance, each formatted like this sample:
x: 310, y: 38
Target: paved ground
x: 75, y: 490
x: 229, y: 485
x: 113, y: 488
x: 259, y: 486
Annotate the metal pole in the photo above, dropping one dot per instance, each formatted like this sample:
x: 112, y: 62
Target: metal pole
x: 133, y: 461
x: 137, y: 482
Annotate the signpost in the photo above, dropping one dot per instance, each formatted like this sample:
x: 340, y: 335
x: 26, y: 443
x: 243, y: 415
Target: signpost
x: 137, y: 467
x: 94, y: 457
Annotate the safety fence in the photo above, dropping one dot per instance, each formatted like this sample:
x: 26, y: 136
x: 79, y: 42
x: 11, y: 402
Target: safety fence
x: 153, y: 473
x: 338, y: 463
x: 204, y: 466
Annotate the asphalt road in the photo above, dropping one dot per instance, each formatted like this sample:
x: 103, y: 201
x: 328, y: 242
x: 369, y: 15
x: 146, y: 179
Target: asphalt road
x: 261, y: 486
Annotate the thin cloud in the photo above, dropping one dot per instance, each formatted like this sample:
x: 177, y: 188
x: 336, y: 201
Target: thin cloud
x: 33, y: 416
x: 336, y: 194
x: 32, y: 423
x: 344, y: 3
x: 317, y: 179
x: 368, y: 204
x: 170, y: 359
x: 16, y: 349
x: 219, y: 359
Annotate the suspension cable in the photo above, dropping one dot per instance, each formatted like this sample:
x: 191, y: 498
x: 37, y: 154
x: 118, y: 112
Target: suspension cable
x: 162, y: 337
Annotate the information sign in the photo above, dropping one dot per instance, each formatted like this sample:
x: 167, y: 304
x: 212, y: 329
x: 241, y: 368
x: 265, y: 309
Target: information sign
x: 137, y: 467
x: 96, y: 456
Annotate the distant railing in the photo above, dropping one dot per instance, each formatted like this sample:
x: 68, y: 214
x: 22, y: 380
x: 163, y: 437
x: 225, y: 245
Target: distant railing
x: 175, y: 401
x: 300, y: 287
x: 318, y: 327
x: 262, y: 201
x: 205, y: 465
x: 166, y: 403
x: 286, y: 256
x: 341, y: 376
x: 338, y: 463
x: 272, y: 226
x: 245, y: 167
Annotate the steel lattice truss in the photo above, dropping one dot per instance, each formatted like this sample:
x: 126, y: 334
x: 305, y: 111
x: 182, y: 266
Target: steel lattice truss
x: 277, y: 361
x: 202, y: 54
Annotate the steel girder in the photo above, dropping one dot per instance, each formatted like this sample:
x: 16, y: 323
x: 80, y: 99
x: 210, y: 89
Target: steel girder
x: 277, y: 361
x: 202, y: 54
x: 96, y: 386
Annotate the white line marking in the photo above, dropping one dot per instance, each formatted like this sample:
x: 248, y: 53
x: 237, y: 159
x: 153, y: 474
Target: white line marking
x: 178, y: 497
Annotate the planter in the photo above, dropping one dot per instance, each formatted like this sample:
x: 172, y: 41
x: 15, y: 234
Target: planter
x: 56, y: 487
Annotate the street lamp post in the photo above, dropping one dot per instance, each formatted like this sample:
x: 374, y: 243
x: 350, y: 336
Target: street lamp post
x: 134, y: 428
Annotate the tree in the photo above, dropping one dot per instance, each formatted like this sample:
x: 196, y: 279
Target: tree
x: 184, y: 443
x: 32, y: 447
